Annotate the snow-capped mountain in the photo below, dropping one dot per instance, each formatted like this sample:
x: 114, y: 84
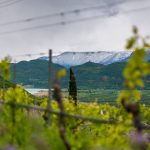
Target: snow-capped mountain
x: 77, y: 58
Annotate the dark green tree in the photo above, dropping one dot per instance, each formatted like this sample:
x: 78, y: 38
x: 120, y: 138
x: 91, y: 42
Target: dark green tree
x: 73, y: 87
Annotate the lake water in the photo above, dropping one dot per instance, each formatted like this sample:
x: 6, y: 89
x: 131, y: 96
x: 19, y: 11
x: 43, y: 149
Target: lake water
x: 34, y: 90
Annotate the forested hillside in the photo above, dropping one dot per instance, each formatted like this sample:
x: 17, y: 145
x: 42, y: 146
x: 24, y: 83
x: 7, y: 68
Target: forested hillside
x: 89, y: 75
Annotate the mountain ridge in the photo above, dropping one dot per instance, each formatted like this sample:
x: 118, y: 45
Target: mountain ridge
x: 69, y: 59
x: 88, y: 76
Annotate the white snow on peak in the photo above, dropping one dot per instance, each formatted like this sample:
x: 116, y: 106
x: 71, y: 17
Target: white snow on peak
x: 77, y: 58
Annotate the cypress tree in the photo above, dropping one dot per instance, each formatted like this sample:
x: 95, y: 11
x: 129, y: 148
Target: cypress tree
x: 73, y: 87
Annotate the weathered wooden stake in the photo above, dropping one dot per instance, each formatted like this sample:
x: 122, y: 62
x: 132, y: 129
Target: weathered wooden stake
x: 49, y: 85
x: 14, y: 73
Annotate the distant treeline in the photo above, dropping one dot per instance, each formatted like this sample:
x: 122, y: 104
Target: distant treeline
x: 89, y: 75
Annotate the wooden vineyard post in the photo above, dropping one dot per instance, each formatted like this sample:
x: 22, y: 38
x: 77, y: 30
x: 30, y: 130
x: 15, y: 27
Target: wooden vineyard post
x: 49, y: 86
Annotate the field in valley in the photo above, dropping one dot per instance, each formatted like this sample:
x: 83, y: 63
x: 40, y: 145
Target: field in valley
x: 105, y: 95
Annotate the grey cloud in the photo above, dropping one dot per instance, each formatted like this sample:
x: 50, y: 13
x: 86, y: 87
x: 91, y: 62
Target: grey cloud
x: 106, y: 33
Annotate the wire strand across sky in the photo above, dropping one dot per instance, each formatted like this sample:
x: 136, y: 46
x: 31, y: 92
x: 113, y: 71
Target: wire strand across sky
x: 72, y: 21
x: 74, y: 11
x: 7, y: 3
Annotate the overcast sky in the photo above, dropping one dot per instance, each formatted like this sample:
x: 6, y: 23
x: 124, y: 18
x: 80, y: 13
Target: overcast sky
x: 106, y: 33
